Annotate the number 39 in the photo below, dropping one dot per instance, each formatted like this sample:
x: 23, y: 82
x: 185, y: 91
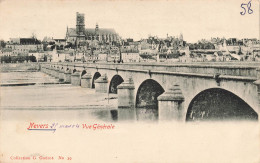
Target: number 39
x: 250, y: 11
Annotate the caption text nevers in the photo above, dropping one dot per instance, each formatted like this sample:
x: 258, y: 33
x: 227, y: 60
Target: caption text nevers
x: 54, y: 126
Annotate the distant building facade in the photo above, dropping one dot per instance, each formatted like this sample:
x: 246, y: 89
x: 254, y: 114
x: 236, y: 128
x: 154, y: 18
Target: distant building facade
x: 6, y: 52
x: 22, y: 46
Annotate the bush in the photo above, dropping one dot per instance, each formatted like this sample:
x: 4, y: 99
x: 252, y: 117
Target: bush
x: 20, y: 59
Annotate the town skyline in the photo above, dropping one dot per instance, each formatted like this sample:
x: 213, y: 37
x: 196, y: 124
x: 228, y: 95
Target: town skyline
x: 171, y: 18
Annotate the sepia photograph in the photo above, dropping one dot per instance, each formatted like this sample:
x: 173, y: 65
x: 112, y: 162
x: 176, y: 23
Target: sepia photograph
x: 129, y: 81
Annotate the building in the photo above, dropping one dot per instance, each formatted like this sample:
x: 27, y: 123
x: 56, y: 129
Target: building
x: 6, y: 52
x: 131, y: 56
x: 22, y: 46
x: 39, y: 55
x: 58, y: 55
x: 80, y: 33
x: 102, y: 56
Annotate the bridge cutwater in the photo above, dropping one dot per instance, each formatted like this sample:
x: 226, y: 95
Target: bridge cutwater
x: 178, y: 92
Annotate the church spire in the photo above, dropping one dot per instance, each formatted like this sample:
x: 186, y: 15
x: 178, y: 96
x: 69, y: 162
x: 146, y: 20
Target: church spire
x: 96, y: 26
x: 181, y: 36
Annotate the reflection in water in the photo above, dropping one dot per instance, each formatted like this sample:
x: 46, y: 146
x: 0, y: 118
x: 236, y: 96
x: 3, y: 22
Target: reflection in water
x: 104, y: 115
x: 114, y: 115
x: 126, y: 114
x: 86, y: 115
x: 147, y: 113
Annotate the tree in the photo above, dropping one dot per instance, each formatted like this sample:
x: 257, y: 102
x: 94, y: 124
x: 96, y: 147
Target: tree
x: 27, y: 58
x: 45, y: 46
x: 240, y: 51
x: 32, y: 58
x: 2, y: 44
x: 192, y: 46
x: 209, y: 46
x: 34, y: 36
x: 45, y: 58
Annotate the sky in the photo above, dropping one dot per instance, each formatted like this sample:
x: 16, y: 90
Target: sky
x: 201, y: 19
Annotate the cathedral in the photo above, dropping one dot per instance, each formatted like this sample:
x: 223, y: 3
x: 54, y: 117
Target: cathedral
x: 81, y: 34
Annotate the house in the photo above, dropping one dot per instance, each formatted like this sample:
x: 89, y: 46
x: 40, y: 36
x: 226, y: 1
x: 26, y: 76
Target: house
x: 131, y: 56
x: 39, y: 55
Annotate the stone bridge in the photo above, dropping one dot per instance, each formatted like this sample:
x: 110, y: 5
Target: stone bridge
x: 179, y: 91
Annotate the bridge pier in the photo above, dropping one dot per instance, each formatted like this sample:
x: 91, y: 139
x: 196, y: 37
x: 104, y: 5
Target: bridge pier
x: 126, y: 94
x: 86, y: 80
x: 56, y: 75
x: 61, y: 75
x: 126, y: 100
x: 257, y: 83
x: 67, y: 76
x: 47, y: 70
x: 258, y: 92
x: 101, y: 84
x: 171, y: 105
x: 75, y: 78
x: 53, y: 71
x: 43, y: 69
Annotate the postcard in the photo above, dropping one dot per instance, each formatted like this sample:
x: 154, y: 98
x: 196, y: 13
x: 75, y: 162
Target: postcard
x: 156, y: 81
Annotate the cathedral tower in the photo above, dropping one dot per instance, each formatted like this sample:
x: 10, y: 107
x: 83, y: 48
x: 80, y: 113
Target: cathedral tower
x: 80, y: 26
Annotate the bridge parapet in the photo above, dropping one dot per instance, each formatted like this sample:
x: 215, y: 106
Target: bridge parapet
x: 231, y: 70
x: 226, y: 70
x: 246, y: 69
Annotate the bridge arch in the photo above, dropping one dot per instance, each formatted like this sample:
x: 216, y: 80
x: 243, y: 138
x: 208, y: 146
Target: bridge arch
x: 115, y: 81
x: 83, y: 72
x: 219, y: 104
x: 95, y: 77
x: 146, y: 100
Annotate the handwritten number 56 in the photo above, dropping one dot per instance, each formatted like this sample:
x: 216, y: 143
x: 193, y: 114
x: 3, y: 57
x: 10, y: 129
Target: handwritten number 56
x: 250, y: 11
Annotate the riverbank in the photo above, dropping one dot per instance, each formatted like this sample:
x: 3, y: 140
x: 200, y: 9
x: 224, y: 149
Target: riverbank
x: 17, y: 67
x: 54, y: 97
x: 24, y: 78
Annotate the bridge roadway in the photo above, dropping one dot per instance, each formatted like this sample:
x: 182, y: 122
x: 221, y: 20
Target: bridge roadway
x: 172, y: 91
